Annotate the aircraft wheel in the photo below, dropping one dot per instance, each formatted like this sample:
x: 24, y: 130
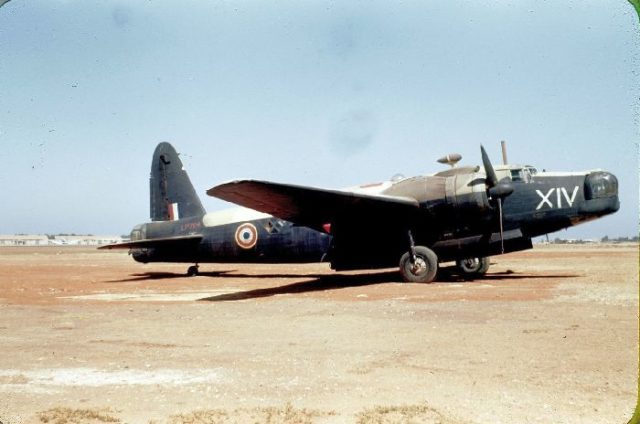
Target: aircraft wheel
x: 473, y: 267
x: 421, y: 270
x: 192, y: 271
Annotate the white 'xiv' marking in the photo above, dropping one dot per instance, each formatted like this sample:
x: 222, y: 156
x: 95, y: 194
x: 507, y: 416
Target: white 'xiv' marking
x: 571, y: 199
x: 560, y: 192
x: 545, y: 198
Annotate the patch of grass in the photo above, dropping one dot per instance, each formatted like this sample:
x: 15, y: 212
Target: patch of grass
x: 77, y: 416
x: 213, y: 416
x: 270, y: 415
x: 289, y: 415
x: 406, y: 414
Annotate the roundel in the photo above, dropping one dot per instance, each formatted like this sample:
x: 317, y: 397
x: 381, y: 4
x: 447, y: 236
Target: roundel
x: 246, y: 236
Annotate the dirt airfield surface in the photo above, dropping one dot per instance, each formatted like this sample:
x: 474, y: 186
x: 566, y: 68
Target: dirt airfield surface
x: 549, y: 336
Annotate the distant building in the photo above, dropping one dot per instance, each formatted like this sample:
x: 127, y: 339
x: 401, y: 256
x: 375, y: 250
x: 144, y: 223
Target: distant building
x: 24, y: 240
x: 59, y: 240
x: 85, y: 240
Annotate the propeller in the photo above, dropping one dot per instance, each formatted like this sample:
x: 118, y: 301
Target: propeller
x: 495, y: 189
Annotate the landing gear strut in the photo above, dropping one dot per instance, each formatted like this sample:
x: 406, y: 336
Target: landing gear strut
x: 192, y: 271
x: 419, y: 264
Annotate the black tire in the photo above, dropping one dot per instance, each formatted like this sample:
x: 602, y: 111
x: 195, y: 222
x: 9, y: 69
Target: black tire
x: 473, y: 267
x: 425, y: 268
x: 192, y: 271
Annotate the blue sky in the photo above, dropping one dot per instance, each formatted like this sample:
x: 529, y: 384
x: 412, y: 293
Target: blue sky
x: 329, y: 94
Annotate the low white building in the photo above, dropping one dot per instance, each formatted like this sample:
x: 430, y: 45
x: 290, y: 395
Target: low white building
x: 85, y: 240
x: 43, y: 240
x: 24, y: 240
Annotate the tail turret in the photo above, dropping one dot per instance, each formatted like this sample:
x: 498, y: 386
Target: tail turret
x: 171, y: 193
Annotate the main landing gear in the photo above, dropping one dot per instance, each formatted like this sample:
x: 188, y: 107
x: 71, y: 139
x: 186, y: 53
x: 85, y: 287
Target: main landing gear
x: 472, y: 267
x: 192, y: 271
x: 419, y: 264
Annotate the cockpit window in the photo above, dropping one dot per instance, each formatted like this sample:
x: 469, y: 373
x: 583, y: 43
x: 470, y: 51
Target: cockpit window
x: 523, y: 174
x: 517, y: 175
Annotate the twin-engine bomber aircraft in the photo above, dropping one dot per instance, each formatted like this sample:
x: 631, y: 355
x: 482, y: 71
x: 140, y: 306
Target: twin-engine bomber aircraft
x: 462, y: 214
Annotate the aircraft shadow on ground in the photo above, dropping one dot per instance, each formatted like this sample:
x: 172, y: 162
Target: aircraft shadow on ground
x: 446, y: 275
x: 143, y: 276
x: 341, y: 281
x: 232, y: 273
x: 318, y: 283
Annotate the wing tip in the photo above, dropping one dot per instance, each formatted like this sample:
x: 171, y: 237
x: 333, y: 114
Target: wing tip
x: 221, y: 186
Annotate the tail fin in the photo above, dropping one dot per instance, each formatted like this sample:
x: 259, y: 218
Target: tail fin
x: 172, y: 194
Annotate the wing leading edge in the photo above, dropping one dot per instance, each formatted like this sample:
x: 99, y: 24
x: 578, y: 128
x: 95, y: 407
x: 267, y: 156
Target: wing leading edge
x: 310, y: 206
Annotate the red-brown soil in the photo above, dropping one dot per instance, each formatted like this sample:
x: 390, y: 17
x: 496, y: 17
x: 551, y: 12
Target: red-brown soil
x: 549, y: 335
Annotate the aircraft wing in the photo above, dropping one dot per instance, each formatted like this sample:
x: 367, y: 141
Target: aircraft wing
x: 312, y: 207
x: 154, y: 242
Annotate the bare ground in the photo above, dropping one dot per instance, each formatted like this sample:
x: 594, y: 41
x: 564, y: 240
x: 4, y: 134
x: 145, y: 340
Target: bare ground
x: 549, y: 336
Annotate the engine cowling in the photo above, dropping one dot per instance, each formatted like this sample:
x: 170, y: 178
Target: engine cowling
x: 466, y: 193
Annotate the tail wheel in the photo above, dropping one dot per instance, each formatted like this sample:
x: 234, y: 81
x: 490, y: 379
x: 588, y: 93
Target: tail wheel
x: 419, y: 269
x: 473, y: 267
x: 192, y: 271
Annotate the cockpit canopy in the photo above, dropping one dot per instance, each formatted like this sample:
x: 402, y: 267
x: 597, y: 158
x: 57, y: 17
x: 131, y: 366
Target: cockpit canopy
x: 523, y: 174
x: 517, y: 173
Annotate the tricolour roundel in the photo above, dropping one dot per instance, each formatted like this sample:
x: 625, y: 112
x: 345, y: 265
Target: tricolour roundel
x: 246, y: 236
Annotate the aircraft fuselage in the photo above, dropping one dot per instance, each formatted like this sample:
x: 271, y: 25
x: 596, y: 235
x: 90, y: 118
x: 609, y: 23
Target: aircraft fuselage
x: 265, y: 239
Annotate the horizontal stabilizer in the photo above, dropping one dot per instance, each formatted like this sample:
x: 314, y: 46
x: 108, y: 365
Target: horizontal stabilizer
x: 155, y: 242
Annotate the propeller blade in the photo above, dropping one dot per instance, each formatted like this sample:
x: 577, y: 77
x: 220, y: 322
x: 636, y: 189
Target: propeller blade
x: 495, y: 190
x: 492, y: 178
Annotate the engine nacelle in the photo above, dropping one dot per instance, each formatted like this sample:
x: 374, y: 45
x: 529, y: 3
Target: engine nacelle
x: 460, y: 191
x: 466, y: 193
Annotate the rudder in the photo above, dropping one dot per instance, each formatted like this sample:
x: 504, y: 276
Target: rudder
x: 172, y: 195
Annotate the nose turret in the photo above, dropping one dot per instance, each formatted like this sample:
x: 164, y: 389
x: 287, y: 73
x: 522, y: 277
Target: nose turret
x: 600, y: 193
